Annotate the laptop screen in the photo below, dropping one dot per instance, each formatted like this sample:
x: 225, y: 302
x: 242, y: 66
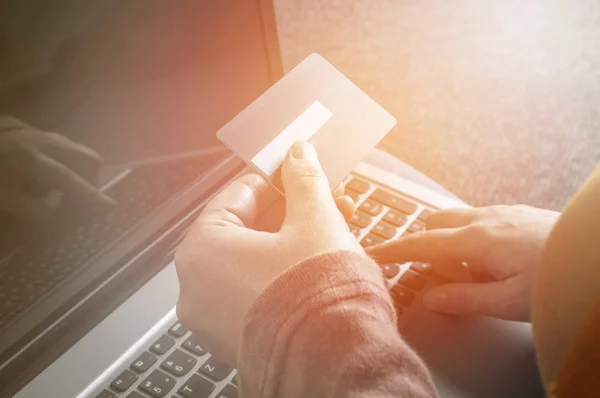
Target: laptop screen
x: 134, y: 80
x: 145, y: 86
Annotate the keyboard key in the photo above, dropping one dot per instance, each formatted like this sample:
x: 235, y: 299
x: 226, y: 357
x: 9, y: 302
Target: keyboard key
x: 135, y: 394
x: 162, y: 345
x: 395, y: 218
x: 412, y: 280
x: 417, y: 226
x: 143, y: 363
x: 193, y: 346
x: 393, y: 201
x: 402, y: 296
x: 424, y: 214
x: 390, y: 270
x: 215, y: 369
x: 228, y: 392
x: 370, y: 207
x: 422, y: 268
x: 196, y: 387
x: 355, y: 231
x: 357, y: 185
x: 178, y: 330
x: 360, y: 219
x: 124, y: 381
x: 371, y: 240
x: 106, y: 394
x: 158, y: 384
x: 178, y: 363
x: 385, y: 230
x: 353, y: 195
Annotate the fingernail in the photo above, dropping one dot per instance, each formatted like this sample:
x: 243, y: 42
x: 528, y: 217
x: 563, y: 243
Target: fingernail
x: 299, y: 150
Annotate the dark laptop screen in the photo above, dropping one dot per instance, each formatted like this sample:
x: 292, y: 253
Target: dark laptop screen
x: 134, y: 81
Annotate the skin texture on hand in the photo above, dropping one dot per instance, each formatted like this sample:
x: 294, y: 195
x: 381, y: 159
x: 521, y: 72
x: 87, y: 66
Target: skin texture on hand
x: 231, y: 254
x: 48, y: 161
x: 500, y: 244
x: 273, y: 214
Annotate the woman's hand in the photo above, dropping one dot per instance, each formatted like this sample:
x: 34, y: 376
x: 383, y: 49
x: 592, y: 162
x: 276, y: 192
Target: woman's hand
x: 225, y: 262
x: 501, y: 243
x: 32, y: 161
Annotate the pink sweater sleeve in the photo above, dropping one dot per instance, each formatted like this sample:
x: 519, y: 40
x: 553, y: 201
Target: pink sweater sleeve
x: 327, y: 328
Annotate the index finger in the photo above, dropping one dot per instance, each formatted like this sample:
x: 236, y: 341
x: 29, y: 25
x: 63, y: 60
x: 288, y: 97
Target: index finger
x: 84, y: 160
x: 451, y: 218
x: 456, y: 245
x: 56, y: 175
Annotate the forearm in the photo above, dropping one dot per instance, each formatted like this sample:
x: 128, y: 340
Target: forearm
x: 327, y: 328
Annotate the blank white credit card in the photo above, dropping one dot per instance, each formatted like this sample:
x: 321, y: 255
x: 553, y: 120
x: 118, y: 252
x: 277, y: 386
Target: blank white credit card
x: 313, y: 102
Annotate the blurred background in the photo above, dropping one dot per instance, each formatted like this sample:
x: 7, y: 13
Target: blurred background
x: 496, y: 100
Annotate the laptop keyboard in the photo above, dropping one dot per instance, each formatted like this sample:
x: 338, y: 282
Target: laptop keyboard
x: 30, y: 274
x: 177, y: 365
x: 383, y: 215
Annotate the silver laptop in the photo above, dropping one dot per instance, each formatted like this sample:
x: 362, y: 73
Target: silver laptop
x: 113, y: 332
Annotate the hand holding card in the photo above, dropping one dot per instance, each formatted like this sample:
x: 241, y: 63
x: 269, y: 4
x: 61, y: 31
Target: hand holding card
x: 314, y: 102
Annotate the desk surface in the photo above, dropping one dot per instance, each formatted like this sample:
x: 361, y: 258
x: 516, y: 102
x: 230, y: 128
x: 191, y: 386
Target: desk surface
x: 508, y: 88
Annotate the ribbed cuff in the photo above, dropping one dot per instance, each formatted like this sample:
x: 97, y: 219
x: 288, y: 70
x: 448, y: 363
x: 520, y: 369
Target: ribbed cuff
x: 290, y: 298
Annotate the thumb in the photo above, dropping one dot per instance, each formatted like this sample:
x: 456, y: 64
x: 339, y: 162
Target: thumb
x: 305, y: 185
x: 487, y: 299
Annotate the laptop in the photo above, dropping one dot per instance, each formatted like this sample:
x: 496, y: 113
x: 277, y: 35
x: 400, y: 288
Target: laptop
x: 99, y: 320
